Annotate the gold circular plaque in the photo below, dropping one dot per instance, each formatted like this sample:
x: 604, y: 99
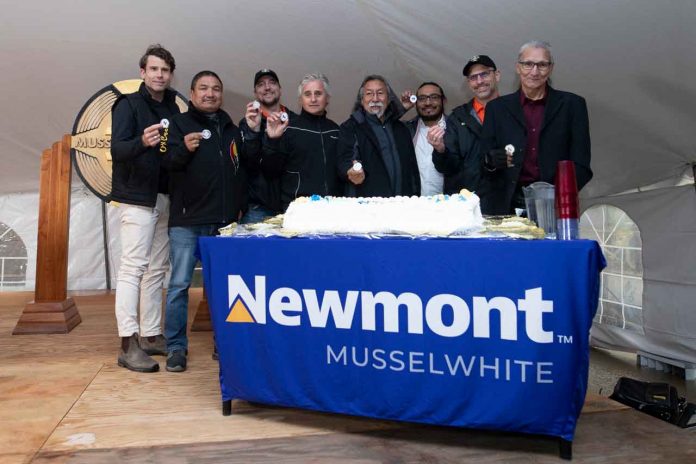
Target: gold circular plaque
x: 91, y: 136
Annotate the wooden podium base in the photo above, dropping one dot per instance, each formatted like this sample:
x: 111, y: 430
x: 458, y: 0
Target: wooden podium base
x: 201, y: 321
x: 52, y: 312
x: 48, y: 318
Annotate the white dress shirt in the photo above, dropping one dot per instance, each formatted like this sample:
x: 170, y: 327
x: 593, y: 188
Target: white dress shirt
x: 431, y: 180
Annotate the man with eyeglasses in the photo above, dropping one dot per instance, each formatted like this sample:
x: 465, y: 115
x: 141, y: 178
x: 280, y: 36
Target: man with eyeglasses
x: 430, y: 106
x: 544, y: 125
x: 375, y: 150
x: 456, y: 149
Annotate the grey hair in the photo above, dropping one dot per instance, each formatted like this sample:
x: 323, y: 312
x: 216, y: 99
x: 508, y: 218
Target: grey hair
x: 314, y: 77
x: 536, y: 44
x: 392, y: 98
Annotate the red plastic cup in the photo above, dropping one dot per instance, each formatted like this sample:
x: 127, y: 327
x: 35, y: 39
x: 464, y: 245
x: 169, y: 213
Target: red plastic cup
x: 567, y: 205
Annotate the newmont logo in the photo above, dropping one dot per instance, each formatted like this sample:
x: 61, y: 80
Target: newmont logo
x: 290, y: 307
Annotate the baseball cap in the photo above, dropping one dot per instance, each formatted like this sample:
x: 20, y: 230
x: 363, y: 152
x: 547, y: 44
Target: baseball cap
x: 265, y: 72
x: 484, y: 60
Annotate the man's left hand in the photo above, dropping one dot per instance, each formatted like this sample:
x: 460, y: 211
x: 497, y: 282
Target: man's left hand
x: 275, y: 127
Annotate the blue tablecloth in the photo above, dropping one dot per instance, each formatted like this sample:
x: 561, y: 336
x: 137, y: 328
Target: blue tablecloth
x: 477, y: 333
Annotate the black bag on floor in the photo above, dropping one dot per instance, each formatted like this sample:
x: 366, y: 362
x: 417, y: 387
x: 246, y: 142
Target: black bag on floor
x: 658, y: 399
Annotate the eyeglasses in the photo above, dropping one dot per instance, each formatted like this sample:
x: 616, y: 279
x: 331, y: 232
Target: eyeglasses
x: 483, y: 75
x: 542, y: 66
x: 372, y: 93
x: 432, y: 97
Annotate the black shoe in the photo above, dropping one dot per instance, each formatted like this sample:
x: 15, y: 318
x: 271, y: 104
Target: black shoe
x: 176, y: 361
x: 216, y: 355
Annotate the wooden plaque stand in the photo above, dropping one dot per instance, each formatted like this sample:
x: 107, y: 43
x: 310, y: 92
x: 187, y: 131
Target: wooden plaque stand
x: 201, y: 321
x: 52, y: 311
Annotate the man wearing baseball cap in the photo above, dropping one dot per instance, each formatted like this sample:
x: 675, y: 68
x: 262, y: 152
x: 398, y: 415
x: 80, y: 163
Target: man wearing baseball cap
x: 264, y: 188
x: 456, y: 149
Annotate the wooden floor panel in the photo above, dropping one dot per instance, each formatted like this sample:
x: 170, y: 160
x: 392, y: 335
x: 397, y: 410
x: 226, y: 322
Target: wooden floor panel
x: 602, y: 438
x: 64, y: 399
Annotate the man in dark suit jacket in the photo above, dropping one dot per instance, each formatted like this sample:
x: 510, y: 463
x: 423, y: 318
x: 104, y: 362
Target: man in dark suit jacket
x: 543, y: 125
x: 375, y: 151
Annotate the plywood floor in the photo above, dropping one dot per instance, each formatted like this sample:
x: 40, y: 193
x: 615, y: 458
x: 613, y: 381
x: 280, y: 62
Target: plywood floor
x: 63, y: 399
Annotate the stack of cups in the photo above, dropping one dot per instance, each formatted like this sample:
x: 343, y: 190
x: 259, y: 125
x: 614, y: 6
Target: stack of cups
x: 567, y: 206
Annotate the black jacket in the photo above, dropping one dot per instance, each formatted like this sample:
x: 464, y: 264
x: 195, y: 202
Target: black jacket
x: 565, y: 135
x: 264, y: 189
x: 461, y: 161
x: 136, y: 175
x: 305, y: 158
x: 357, y: 141
x: 209, y: 185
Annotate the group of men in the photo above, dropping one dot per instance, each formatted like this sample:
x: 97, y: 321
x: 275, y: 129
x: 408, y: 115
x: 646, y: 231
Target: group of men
x: 179, y: 176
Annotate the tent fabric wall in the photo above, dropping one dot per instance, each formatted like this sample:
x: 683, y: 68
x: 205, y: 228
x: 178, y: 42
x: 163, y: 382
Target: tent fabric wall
x: 86, y: 262
x: 667, y: 221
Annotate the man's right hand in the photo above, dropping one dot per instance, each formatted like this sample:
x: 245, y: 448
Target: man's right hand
x: 193, y: 141
x: 151, y: 135
x: 406, y: 99
x: 498, y: 158
x: 253, y: 117
x: 356, y: 177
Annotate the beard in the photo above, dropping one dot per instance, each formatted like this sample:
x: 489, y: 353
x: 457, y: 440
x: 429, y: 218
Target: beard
x: 433, y: 117
x: 274, y: 101
x: 377, y: 109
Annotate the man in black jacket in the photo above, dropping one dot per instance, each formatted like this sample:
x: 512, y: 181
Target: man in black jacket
x: 206, y: 160
x: 264, y: 189
x: 375, y: 150
x: 543, y: 125
x: 140, y: 131
x: 456, y: 150
x: 303, y: 151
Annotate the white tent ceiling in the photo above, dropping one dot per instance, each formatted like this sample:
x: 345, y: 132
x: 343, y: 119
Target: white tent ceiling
x: 632, y: 60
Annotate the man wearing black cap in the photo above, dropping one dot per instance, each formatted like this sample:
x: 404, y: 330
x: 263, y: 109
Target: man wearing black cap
x: 456, y: 149
x: 527, y: 132
x: 264, y: 190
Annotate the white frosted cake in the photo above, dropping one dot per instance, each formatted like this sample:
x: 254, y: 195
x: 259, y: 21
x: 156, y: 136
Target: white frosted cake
x: 439, y: 215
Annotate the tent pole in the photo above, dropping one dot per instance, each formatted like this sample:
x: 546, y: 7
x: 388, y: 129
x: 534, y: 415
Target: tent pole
x: 105, y: 230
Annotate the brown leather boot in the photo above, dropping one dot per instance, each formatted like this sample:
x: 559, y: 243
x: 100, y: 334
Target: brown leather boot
x: 153, y: 346
x: 134, y: 358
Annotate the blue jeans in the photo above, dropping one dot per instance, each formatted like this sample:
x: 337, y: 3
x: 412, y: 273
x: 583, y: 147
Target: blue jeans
x: 183, y: 244
x: 256, y: 213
